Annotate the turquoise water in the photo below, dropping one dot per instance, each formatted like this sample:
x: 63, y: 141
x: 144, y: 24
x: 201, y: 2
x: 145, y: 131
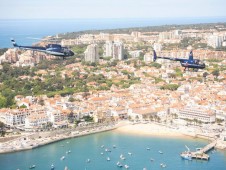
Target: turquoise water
x: 89, y: 147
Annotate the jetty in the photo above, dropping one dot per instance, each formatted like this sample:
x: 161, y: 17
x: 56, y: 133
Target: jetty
x: 202, y: 152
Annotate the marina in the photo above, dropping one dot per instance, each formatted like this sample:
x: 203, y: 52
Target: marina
x: 90, y: 147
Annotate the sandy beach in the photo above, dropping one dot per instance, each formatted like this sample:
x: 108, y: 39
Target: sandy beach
x: 150, y: 129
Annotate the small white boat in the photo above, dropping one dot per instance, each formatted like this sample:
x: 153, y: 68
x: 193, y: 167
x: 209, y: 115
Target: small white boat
x: 126, y: 166
x: 102, y: 146
x: 108, y: 159
x: 69, y: 151
x: 122, y: 157
x: 32, y: 166
x: 152, y: 159
x: 148, y: 149
x: 160, y: 152
x: 88, y: 161
x: 52, y: 167
x: 62, y: 158
x: 144, y: 168
x: 119, y: 164
x: 163, y: 165
x: 101, y: 153
x: 114, y: 146
x: 129, y: 153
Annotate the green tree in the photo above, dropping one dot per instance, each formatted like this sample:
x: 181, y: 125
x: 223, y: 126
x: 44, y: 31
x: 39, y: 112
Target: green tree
x: 2, y: 101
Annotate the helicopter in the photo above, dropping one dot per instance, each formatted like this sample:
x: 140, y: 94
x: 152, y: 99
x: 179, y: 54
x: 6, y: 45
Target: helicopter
x: 52, y: 49
x: 195, y: 64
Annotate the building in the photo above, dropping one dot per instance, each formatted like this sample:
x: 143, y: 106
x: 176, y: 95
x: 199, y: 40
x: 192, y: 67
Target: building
x: 91, y: 53
x: 114, y: 50
x: 109, y: 48
x: 216, y: 41
x: 197, y: 113
x: 118, y: 51
x: 157, y: 47
x: 16, y: 117
x: 35, y: 121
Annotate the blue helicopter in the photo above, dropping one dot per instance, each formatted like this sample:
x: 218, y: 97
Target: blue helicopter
x: 52, y: 49
x: 187, y: 63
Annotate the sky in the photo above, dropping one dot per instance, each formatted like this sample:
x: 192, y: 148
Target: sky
x: 70, y: 9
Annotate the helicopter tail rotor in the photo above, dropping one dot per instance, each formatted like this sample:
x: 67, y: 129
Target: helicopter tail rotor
x: 14, y: 42
x: 154, y: 56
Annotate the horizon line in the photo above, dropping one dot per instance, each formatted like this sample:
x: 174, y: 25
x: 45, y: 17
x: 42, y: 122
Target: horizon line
x: 189, y: 17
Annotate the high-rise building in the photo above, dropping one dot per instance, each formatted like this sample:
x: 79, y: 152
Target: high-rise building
x: 91, y: 53
x: 109, y: 48
x: 118, y: 51
x: 114, y: 50
x: 216, y: 41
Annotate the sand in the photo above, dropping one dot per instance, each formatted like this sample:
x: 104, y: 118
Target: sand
x: 150, y: 129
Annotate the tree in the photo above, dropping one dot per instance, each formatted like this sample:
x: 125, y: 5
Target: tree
x: 216, y: 73
x: 2, y: 129
x: 2, y: 101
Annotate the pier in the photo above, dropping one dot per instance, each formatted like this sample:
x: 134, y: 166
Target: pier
x: 202, y: 153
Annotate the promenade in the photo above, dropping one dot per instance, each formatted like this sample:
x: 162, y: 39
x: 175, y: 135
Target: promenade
x: 34, y: 140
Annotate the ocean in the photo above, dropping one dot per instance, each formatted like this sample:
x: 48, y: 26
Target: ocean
x: 21, y: 29
x: 89, y: 147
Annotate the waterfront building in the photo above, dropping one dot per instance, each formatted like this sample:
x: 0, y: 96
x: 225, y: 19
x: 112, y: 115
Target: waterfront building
x: 15, y: 117
x: 91, y: 53
x: 198, y: 113
x: 35, y: 121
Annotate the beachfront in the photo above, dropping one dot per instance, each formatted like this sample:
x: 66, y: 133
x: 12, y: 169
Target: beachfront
x: 31, y: 140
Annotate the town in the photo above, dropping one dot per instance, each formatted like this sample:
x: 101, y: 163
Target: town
x: 112, y: 79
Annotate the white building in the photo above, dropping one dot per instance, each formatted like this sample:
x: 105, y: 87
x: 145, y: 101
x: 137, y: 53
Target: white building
x: 109, y: 48
x: 114, y: 50
x: 157, y: 47
x: 201, y: 114
x: 36, y: 121
x: 91, y: 53
x: 216, y: 41
x: 16, y: 117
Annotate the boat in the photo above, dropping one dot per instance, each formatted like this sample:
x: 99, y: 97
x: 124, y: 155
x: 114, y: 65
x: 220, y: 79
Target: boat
x: 108, y: 159
x: 114, y: 146
x: 119, y: 164
x: 52, y: 167
x: 32, y: 167
x: 129, y: 153
x: 152, y: 159
x: 160, y: 152
x: 88, y: 161
x: 126, y: 166
x: 163, y: 165
x: 102, y: 146
x: 148, y: 149
x: 107, y: 150
x: 101, y: 153
x: 122, y: 157
x: 186, y: 156
x: 62, y: 158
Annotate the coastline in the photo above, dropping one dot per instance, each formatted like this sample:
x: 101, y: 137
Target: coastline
x: 139, y: 129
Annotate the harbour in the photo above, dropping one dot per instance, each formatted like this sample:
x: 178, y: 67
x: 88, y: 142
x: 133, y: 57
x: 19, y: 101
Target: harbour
x: 132, y: 148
